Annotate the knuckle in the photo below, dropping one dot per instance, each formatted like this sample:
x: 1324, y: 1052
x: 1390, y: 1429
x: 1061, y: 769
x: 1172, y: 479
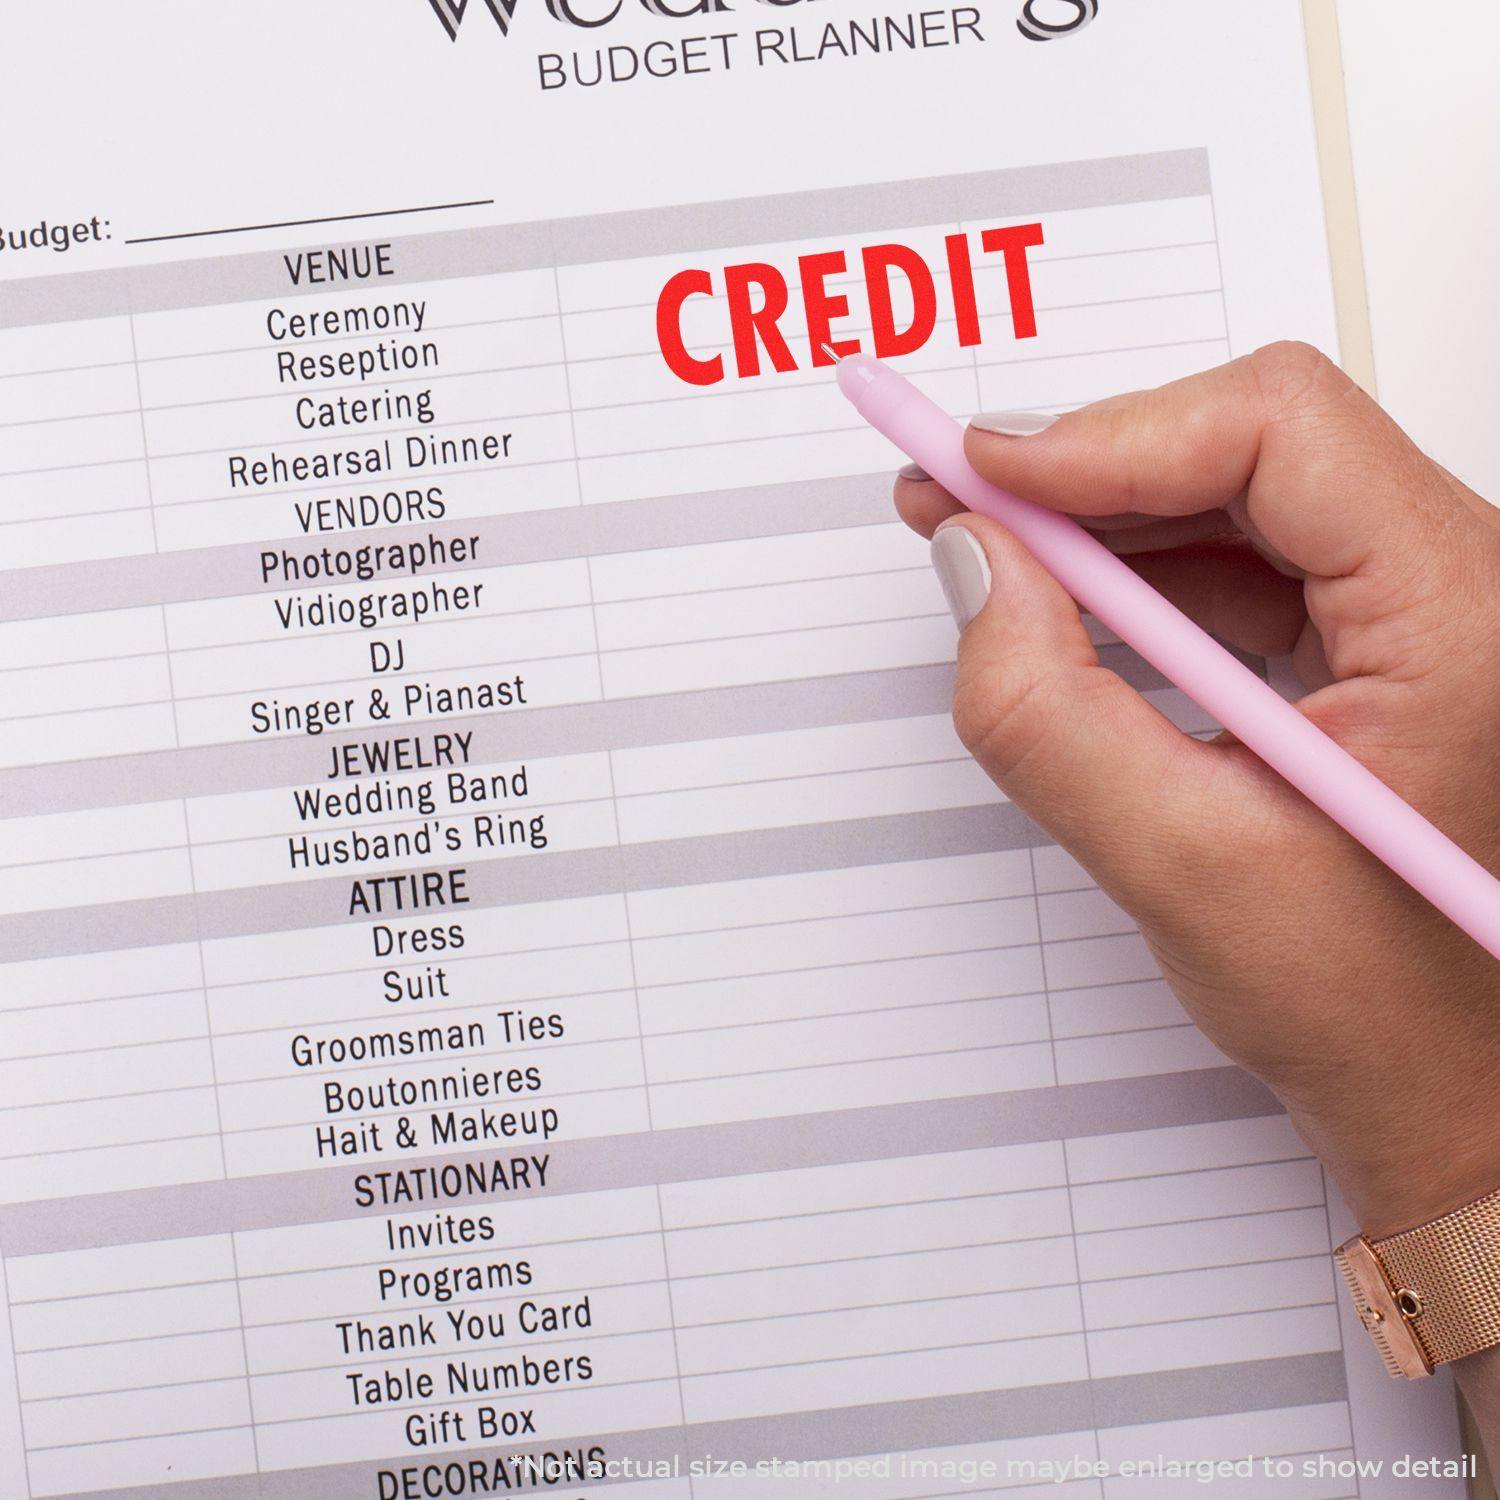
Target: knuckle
x: 1129, y: 432
x: 1002, y: 718
x: 1013, y: 721
x: 1290, y: 373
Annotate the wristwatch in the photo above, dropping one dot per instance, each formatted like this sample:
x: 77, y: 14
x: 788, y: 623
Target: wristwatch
x: 1431, y: 1294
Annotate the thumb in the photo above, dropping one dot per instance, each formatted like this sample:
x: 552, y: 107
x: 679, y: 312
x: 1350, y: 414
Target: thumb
x: 1069, y: 741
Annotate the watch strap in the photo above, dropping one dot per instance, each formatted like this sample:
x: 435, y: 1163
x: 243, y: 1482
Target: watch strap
x: 1430, y: 1294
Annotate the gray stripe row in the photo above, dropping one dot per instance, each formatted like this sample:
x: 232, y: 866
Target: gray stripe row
x: 669, y: 230
x: 520, y: 880
x: 853, y: 1431
x: 690, y: 1154
x: 506, y: 738
x: 502, y: 738
x: 575, y: 531
x: 614, y: 724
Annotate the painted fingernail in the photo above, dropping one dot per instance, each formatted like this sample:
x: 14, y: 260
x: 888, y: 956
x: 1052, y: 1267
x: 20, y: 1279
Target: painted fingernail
x: 913, y: 471
x: 963, y: 571
x: 1013, y: 423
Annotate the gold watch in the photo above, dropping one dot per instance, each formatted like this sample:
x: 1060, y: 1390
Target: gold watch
x: 1431, y: 1294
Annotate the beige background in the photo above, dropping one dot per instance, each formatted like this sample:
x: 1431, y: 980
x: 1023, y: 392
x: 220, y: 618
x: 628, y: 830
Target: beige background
x: 1424, y: 122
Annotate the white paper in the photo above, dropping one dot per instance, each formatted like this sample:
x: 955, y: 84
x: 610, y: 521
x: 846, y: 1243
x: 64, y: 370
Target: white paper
x: 654, y: 1042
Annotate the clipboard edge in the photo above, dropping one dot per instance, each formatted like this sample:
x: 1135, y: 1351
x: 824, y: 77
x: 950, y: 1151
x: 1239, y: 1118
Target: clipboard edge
x: 1340, y: 204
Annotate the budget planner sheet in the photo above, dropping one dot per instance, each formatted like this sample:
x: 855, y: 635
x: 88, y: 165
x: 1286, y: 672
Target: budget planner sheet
x: 508, y: 981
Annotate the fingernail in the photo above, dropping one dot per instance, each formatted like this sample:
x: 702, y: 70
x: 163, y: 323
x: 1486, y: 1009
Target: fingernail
x: 963, y: 570
x: 1013, y: 423
x: 913, y: 471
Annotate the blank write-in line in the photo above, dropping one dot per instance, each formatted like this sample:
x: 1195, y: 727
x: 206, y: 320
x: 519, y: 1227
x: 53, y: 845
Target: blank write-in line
x: 376, y: 213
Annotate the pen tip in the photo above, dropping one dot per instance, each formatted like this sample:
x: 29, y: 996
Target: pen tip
x: 830, y: 352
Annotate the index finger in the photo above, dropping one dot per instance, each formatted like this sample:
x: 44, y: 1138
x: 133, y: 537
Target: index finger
x: 1328, y: 480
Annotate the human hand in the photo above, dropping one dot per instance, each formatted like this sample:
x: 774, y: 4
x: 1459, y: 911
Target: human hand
x: 1281, y: 509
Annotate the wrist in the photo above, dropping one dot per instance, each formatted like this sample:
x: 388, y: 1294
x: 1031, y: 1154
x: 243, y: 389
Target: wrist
x: 1400, y: 1163
x: 1387, y: 1200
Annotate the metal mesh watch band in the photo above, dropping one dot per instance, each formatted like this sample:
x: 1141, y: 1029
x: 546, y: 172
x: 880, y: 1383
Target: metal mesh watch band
x: 1431, y: 1294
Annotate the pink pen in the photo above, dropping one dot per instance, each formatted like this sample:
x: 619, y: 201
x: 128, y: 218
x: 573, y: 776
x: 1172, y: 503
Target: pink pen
x: 1328, y: 776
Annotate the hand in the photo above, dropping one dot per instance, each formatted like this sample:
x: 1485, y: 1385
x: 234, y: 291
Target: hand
x: 1278, y: 506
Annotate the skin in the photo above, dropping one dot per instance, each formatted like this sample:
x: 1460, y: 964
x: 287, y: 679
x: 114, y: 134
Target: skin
x: 1277, y: 505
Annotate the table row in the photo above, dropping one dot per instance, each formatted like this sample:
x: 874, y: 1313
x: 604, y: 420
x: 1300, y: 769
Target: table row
x: 508, y: 461
x: 698, y: 1301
